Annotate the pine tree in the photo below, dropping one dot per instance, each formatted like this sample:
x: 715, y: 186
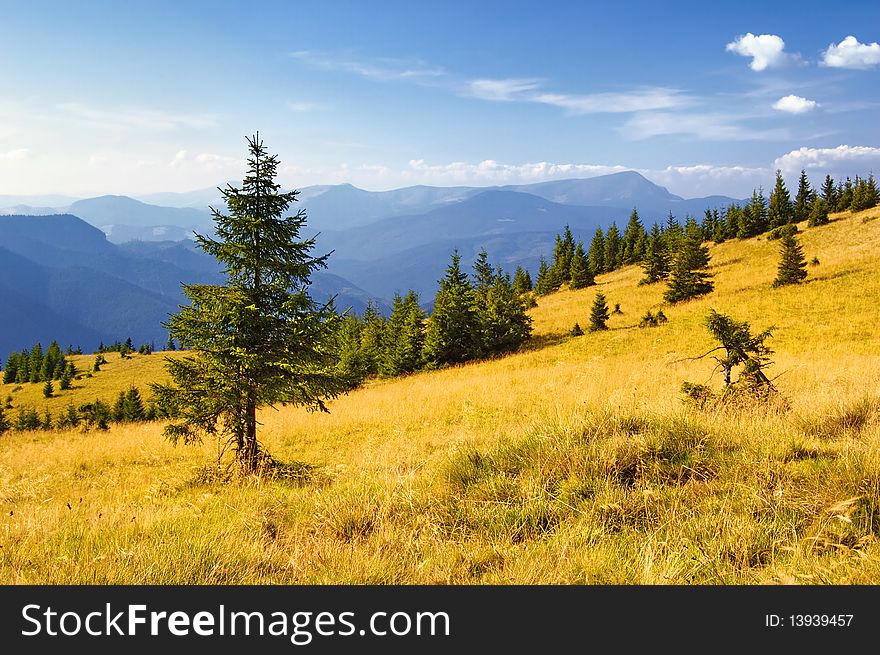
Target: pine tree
x: 633, y: 238
x: 10, y: 371
x: 543, y: 283
x: 597, y: 252
x: 504, y: 320
x: 483, y: 273
x: 754, y: 217
x: 818, y: 213
x: 613, y: 253
x: 35, y: 365
x: 453, y: 333
x: 599, y: 313
x: 405, y: 336
x: 522, y: 281
x: 563, y: 251
x: 581, y: 275
x: 803, y: 202
x: 259, y: 339
x: 688, y: 277
x: 781, y: 210
x: 372, y: 338
x: 829, y: 193
x: 844, y: 195
x: 48, y: 389
x: 792, y: 265
x: 656, y: 260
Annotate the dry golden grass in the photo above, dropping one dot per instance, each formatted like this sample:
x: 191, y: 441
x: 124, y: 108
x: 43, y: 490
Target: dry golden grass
x: 574, y: 461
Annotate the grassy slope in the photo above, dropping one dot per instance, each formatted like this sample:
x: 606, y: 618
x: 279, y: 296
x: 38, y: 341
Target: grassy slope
x: 573, y: 462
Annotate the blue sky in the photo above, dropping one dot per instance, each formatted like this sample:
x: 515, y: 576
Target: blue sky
x: 138, y: 97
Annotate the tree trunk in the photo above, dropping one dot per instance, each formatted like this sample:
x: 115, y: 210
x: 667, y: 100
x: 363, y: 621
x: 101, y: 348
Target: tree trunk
x: 249, y: 456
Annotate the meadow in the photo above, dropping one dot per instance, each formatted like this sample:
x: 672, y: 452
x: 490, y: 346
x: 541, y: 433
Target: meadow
x: 574, y: 461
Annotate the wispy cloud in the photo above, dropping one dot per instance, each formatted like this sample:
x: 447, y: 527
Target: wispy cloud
x: 708, y: 126
x: 17, y: 154
x: 205, y: 160
x: 304, y: 107
x: 491, y: 171
x: 500, y: 90
x: 124, y: 118
x: 379, y: 69
x: 529, y: 90
x: 793, y: 104
x: 766, y: 50
x: 849, y: 53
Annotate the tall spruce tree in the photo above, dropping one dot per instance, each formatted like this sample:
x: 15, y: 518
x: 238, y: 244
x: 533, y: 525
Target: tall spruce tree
x: 633, y: 240
x: 688, y: 277
x: 522, y: 281
x: 484, y: 275
x: 818, y: 213
x: 259, y: 339
x: 453, y: 332
x: 596, y: 253
x: 505, y: 323
x: 803, y: 201
x: 599, y: 313
x: 404, y: 336
x: 543, y: 283
x: 792, y: 265
x: 613, y: 254
x: 656, y: 260
x: 829, y: 193
x: 563, y: 251
x: 781, y: 210
x: 581, y: 275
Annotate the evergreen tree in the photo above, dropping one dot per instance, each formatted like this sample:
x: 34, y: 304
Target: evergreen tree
x: 844, y: 195
x: 754, y: 217
x: 597, y: 252
x: 818, y: 213
x: 672, y: 233
x: 613, y: 253
x: 259, y: 339
x: 656, y: 260
x: 36, y: 363
x: 563, y: 251
x: 352, y: 362
x: 829, y: 193
x: 792, y: 265
x: 581, y: 275
x: 27, y: 419
x: 23, y: 374
x: 543, y: 283
x: 781, y: 210
x: 599, y: 313
x: 504, y: 320
x: 4, y: 422
x: 64, y: 381
x: 405, y: 336
x: 372, y: 338
x: 48, y: 389
x: 483, y: 273
x: 522, y: 281
x: 864, y: 194
x: 453, y: 333
x: 133, y: 405
x: 633, y: 238
x: 69, y: 419
x: 688, y: 277
x: 803, y: 202
x: 10, y: 371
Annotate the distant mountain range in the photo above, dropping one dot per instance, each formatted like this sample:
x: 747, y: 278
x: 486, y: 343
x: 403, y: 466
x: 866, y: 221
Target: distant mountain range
x: 60, y: 278
x: 111, y: 267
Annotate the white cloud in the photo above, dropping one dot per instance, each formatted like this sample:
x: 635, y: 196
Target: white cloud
x: 766, y: 50
x: 504, y: 90
x: 794, y: 104
x: 830, y: 158
x: 382, y: 69
x: 18, y: 154
x: 528, y: 90
x: 205, y: 160
x: 849, y: 53
x: 301, y: 107
x: 490, y: 171
x: 125, y: 118
x: 638, y: 100
x: 708, y: 126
